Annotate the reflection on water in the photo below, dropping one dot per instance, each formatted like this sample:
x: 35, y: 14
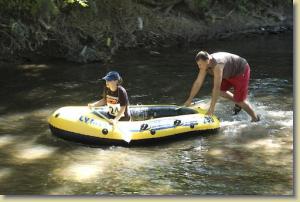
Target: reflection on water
x: 33, y: 152
x: 6, y: 139
x: 242, y: 158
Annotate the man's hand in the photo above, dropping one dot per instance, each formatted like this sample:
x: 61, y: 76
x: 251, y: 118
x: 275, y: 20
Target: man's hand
x: 113, y: 122
x: 187, y: 103
x: 210, y: 112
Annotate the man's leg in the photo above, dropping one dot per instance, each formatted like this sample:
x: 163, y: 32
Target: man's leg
x: 248, y: 108
x: 245, y: 105
x: 229, y: 95
x: 241, y: 83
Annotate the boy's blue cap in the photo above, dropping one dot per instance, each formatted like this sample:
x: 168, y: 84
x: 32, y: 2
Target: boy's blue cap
x: 112, y: 76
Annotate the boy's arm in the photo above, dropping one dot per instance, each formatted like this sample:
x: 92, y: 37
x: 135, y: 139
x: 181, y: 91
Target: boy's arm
x: 99, y: 103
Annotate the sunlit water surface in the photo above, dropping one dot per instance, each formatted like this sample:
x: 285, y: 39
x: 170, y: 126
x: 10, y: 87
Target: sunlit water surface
x: 243, y: 158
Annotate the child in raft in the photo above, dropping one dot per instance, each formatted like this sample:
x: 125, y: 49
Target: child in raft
x: 115, y: 97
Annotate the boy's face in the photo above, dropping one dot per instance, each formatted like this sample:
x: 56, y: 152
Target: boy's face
x: 111, y: 84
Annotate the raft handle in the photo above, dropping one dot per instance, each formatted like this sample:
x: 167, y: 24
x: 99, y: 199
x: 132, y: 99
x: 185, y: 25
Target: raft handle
x: 144, y: 126
x: 192, y: 125
x: 208, y: 119
x: 104, y: 131
x: 177, y: 122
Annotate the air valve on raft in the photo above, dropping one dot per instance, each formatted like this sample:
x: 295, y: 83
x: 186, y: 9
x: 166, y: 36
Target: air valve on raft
x: 152, y: 131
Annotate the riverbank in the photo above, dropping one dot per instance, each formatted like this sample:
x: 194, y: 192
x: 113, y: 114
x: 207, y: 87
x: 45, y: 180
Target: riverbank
x: 96, y: 32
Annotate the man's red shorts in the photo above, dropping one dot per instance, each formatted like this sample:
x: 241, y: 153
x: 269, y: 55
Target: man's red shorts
x: 239, y: 83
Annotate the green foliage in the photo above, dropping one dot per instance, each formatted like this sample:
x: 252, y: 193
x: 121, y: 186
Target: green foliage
x: 242, y: 6
x: 44, y: 7
x: 35, y: 8
x: 18, y: 7
x: 202, y: 4
x: 110, y: 24
x: 83, y: 3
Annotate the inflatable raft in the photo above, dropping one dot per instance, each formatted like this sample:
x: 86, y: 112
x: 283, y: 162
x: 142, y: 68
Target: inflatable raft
x: 149, y: 124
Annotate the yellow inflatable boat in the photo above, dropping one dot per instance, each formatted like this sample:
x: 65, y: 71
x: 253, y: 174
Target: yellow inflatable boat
x: 149, y: 124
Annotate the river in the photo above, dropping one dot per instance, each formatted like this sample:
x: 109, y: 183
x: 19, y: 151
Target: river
x: 243, y: 158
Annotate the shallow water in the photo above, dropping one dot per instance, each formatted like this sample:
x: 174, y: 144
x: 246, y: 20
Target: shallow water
x: 243, y: 158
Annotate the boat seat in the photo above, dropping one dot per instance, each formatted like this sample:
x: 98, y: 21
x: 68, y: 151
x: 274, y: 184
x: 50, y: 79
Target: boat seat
x: 146, y: 113
x: 185, y: 111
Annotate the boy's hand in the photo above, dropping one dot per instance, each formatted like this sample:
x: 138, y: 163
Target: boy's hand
x: 113, y: 122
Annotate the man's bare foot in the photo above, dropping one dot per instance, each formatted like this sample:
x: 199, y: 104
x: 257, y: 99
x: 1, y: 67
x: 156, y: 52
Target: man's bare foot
x: 257, y: 119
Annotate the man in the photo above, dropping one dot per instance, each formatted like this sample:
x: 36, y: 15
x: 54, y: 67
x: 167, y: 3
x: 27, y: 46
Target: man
x: 228, y: 70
